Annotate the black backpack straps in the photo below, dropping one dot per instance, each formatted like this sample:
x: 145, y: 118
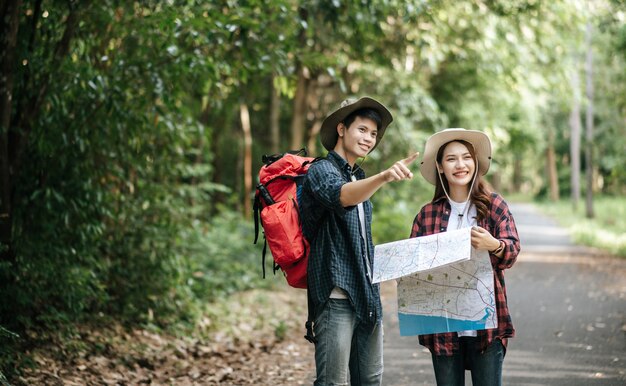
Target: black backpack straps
x: 310, y: 335
x: 302, y: 152
x: 263, y: 258
x: 332, y: 161
x: 269, y: 159
x: 256, y: 209
x: 313, y: 160
x: 265, y: 195
x: 262, y: 199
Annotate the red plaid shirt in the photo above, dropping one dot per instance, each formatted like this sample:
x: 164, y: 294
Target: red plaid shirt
x: 433, y: 218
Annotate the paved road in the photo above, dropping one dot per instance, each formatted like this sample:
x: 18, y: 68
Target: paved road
x: 568, y: 305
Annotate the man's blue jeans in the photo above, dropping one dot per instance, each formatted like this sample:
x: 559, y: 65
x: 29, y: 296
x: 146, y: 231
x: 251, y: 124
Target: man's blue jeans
x: 347, y: 350
x: 486, y: 367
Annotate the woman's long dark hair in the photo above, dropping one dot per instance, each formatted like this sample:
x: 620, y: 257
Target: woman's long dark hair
x: 480, y: 195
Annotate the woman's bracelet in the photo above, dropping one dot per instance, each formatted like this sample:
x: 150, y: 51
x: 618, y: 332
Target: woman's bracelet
x: 499, y: 249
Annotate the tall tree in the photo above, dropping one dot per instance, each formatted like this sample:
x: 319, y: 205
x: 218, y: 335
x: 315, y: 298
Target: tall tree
x: 274, y: 115
x: 553, y: 178
x: 9, y: 22
x: 19, y: 112
x: 298, y: 117
x: 589, y: 164
x: 244, y: 114
x: 576, y: 132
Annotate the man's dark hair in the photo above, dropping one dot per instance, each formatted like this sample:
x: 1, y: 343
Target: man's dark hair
x: 364, y: 113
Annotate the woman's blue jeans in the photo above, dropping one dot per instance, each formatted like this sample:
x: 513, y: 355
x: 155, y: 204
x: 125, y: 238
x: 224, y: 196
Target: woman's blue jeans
x: 486, y: 367
x: 347, y: 352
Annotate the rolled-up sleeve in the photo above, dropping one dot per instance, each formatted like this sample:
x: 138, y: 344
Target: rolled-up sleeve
x: 506, y: 231
x: 324, y: 182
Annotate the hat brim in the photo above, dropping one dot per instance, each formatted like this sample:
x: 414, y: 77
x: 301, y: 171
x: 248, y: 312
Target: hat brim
x: 328, y: 132
x: 478, y: 139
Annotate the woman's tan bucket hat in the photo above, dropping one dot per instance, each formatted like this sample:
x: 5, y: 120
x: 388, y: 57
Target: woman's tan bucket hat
x: 478, y: 139
x: 328, y: 132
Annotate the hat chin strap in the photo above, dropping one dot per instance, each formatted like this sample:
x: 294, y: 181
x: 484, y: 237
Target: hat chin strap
x: 467, y: 200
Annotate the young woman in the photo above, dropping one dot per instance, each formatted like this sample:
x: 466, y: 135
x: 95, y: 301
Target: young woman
x: 455, y: 161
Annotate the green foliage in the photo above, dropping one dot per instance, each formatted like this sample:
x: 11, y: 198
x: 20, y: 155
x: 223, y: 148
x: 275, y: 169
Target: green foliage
x: 280, y: 330
x: 223, y: 258
x: 127, y: 178
x: 3, y: 380
x: 117, y: 174
x: 4, y: 333
x: 395, y: 208
x: 8, y: 347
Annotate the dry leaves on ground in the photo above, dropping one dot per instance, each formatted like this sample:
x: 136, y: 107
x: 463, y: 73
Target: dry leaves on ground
x: 260, y: 342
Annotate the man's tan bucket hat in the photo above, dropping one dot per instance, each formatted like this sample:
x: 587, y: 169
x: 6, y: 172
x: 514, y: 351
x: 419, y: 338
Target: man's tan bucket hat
x: 478, y: 139
x: 328, y: 132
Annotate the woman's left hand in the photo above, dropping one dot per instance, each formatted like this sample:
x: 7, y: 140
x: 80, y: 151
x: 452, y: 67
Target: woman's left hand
x: 483, y: 240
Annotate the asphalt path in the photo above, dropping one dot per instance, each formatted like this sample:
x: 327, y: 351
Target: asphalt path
x: 568, y: 305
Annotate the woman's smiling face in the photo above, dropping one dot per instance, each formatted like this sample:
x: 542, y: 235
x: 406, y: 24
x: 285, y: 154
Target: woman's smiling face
x: 457, y: 164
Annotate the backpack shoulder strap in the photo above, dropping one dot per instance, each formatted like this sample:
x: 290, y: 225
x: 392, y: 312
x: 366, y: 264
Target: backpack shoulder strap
x: 310, y: 335
x: 334, y: 162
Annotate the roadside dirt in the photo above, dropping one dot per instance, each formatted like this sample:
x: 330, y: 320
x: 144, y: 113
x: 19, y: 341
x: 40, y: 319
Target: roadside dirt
x: 259, y: 341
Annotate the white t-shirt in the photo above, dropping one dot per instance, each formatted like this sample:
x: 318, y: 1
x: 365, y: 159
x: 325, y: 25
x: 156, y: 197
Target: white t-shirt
x: 458, y: 222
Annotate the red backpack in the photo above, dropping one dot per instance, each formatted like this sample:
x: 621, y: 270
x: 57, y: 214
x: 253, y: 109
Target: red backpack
x: 276, y: 205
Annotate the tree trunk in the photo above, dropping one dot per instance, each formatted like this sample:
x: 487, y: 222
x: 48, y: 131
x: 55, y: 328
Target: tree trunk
x: 247, y: 158
x: 28, y: 112
x: 575, y: 125
x: 9, y: 22
x: 274, y: 118
x: 298, y: 119
x: 589, y: 127
x: 313, y: 133
x: 517, y: 173
x: 553, y: 178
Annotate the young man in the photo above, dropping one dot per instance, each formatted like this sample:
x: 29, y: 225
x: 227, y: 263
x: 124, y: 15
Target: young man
x: 336, y: 219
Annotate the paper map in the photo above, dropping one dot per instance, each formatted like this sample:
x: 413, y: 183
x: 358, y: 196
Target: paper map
x: 439, y: 289
x: 418, y: 254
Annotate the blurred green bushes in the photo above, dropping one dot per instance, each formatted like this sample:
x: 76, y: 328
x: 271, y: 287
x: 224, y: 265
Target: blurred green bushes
x: 606, y: 231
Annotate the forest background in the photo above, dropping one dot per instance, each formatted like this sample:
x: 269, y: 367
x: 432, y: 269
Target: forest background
x: 131, y: 133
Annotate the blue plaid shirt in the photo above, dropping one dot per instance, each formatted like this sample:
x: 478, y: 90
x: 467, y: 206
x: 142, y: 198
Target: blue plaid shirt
x: 338, y: 257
